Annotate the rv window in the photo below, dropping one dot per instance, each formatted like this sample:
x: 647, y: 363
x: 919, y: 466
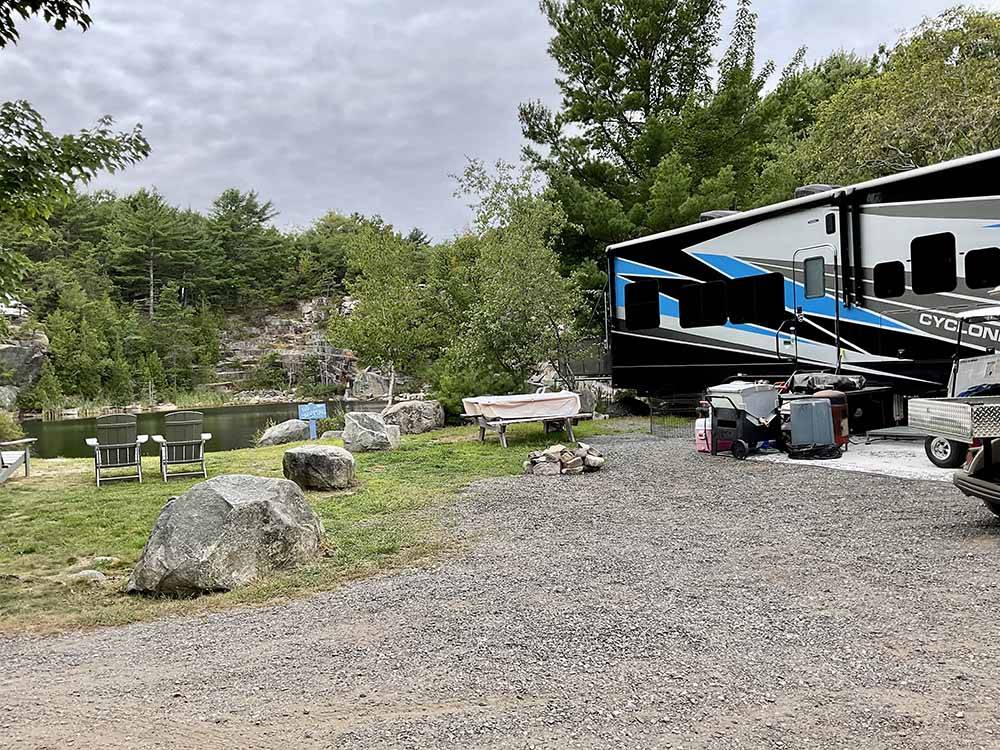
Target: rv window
x: 932, y: 267
x: 831, y: 223
x: 982, y: 268
x: 890, y: 279
x: 702, y: 304
x: 757, y: 299
x: 814, y: 270
x: 642, y: 305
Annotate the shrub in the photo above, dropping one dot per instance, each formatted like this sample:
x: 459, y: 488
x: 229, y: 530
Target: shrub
x: 320, y: 391
x: 9, y: 428
x: 455, y: 379
x: 268, y: 374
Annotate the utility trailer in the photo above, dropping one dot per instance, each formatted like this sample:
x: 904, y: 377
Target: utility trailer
x: 972, y: 420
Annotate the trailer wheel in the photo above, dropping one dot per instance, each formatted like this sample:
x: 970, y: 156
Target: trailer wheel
x: 945, y: 453
x: 740, y: 450
x: 992, y: 506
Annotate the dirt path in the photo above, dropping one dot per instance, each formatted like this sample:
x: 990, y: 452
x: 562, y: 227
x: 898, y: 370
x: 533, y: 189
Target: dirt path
x: 670, y: 601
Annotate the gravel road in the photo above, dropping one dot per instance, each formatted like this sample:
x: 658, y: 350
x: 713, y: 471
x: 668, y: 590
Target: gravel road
x: 670, y: 601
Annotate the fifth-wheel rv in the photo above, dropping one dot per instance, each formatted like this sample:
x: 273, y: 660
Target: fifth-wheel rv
x: 868, y: 279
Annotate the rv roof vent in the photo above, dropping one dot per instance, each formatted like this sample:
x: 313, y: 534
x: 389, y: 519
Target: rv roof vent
x: 806, y: 190
x: 710, y: 215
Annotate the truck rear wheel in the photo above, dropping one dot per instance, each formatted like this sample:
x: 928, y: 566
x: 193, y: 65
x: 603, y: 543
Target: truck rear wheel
x: 945, y: 453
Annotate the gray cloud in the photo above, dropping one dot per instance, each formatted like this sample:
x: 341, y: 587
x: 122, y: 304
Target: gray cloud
x: 354, y: 105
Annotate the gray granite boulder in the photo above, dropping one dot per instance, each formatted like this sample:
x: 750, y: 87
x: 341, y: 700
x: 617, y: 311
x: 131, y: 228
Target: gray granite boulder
x: 289, y: 431
x: 22, y: 358
x: 364, y: 431
x: 414, y: 417
x: 332, y: 435
x: 225, y: 533
x: 369, y: 384
x: 319, y: 467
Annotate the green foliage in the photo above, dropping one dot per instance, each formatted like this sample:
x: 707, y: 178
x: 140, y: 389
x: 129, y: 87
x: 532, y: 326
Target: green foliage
x: 335, y: 420
x: 455, y: 378
x: 390, y: 328
x: 57, y: 12
x: 268, y: 374
x: 133, y: 291
x: 934, y: 97
x: 309, y: 383
x: 646, y: 139
x: 523, y: 308
x: 38, y: 169
x: 46, y: 393
x: 9, y: 427
x: 473, y: 315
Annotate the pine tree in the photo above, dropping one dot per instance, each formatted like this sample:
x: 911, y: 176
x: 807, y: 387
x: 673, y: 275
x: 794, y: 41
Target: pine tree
x: 157, y: 375
x: 151, y: 243
x: 120, y: 388
x: 45, y: 393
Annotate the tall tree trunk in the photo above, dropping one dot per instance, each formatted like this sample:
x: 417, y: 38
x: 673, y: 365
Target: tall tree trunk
x: 151, y: 287
x: 392, y: 383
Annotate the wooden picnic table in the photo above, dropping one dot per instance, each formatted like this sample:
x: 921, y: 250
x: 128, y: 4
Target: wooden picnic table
x: 11, y: 460
x: 499, y: 425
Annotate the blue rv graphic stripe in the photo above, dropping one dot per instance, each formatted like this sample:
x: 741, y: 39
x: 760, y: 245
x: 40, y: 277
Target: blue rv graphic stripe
x: 825, y: 307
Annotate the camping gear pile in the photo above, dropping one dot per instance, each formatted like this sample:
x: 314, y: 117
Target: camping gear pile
x: 558, y: 459
x: 741, y: 418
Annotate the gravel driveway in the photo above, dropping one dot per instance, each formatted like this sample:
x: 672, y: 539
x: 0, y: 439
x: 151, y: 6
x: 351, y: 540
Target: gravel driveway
x: 672, y: 600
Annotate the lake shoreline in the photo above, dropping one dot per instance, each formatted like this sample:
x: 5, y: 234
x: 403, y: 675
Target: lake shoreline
x: 233, y: 426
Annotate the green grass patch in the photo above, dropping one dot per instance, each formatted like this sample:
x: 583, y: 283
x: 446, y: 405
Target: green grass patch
x: 57, y: 521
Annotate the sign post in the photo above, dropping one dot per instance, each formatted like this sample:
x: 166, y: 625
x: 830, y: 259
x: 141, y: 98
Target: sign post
x: 311, y: 413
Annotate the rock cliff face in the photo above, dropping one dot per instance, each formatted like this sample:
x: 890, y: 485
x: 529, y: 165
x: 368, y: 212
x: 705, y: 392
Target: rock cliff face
x: 296, y: 334
x: 21, y: 358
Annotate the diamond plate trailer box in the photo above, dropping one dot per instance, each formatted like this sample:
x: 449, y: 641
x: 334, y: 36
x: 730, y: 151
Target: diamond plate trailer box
x: 961, y: 419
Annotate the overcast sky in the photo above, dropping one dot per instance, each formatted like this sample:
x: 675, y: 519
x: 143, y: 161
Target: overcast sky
x: 353, y: 105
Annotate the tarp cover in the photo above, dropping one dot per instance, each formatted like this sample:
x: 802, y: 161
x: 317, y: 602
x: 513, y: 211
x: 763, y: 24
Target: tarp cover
x: 810, y: 382
x: 526, y: 406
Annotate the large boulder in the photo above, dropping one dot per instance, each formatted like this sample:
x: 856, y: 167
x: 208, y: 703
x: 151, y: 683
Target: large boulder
x: 369, y: 384
x: 22, y: 358
x: 414, y: 417
x: 319, y: 467
x: 289, y: 431
x: 225, y: 533
x: 364, y: 431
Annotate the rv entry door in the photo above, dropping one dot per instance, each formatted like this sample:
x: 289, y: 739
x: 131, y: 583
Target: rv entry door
x: 816, y: 297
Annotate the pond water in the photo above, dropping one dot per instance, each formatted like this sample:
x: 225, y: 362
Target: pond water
x: 232, y: 427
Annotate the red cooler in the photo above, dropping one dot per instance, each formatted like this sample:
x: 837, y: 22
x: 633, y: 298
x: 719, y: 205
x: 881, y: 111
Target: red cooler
x: 838, y: 405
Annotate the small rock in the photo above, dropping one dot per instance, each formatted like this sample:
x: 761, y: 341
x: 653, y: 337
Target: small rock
x: 332, y: 435
x: 573, y: 470
x: 593, y: 462
x: 549, y: 468
x: 86, y: 576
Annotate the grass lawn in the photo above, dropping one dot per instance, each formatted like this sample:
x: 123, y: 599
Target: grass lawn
x: 57, y: 521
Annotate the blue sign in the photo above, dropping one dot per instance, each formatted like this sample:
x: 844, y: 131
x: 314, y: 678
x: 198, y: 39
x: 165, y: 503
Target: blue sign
x: 310, y: 413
